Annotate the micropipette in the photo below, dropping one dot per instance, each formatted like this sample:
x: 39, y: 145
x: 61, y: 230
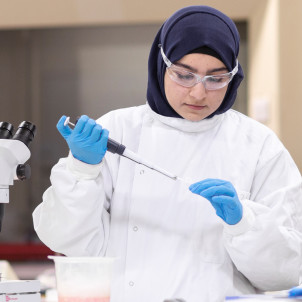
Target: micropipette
x: 115, y: 147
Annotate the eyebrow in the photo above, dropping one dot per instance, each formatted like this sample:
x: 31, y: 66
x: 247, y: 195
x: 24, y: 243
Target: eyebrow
x: 195, y: 70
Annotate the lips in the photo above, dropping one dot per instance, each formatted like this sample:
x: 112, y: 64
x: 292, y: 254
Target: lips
x: 195, y: 107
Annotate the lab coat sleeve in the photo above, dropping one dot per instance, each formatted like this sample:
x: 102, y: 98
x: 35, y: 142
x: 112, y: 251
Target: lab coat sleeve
x: 266, y: 246
x: 73, y: 218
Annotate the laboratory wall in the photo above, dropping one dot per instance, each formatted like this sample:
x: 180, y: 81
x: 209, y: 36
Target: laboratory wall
x: 290, y: 82
x: 89, y: 57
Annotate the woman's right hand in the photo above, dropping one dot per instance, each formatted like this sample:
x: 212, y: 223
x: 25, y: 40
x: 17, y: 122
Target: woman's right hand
x: 87, y: 141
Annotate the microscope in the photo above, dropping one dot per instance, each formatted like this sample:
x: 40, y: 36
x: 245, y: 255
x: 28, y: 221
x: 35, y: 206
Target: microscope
x: 14, y: 152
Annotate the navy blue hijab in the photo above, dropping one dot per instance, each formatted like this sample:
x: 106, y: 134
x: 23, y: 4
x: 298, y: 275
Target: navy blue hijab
x: 186, y: 30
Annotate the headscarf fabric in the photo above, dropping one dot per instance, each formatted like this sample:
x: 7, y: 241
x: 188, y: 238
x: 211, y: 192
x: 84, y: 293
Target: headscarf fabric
x: 188, y: 29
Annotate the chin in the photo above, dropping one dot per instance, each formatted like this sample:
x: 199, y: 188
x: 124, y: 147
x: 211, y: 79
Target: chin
x: 194, y: 119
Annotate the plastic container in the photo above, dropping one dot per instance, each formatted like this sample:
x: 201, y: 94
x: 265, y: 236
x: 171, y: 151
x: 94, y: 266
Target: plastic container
x: 83, y: 279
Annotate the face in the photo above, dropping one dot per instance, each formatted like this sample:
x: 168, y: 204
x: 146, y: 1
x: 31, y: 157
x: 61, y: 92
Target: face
x: 196, y: 103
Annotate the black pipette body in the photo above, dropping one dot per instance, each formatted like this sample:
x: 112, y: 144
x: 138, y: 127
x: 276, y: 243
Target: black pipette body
x: 115, y: 147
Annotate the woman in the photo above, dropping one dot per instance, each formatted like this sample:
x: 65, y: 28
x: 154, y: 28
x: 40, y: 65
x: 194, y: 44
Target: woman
x: 236, y: 230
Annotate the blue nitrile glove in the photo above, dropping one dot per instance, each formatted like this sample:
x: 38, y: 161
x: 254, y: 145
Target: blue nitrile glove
x: 87, y: 141
x: 222, y: 196
x: 295, y: 292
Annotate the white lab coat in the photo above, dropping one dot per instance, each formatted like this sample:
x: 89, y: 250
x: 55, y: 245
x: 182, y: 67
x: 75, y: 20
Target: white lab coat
x: 169, y: 242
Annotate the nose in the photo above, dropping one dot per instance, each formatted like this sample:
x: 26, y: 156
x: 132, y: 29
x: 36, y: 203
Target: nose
x: 198, y: 91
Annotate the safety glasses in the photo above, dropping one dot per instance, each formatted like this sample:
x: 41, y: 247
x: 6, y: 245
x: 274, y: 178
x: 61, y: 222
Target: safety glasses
x: 186, y: 78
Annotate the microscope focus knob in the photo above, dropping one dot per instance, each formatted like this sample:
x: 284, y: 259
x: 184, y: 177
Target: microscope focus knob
x: 23, y: 171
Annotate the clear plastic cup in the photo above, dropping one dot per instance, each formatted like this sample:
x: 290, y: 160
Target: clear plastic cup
x: 83, y: 279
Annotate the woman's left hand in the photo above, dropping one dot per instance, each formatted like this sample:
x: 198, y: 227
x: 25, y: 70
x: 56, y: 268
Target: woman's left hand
x: 222, y: 196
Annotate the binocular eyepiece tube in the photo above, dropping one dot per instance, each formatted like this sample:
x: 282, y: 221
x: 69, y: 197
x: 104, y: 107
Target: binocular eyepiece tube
x: 25, y: 132
x: 6, y: 130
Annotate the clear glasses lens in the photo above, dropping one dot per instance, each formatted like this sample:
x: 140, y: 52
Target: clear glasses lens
x: 189, y: 79
x: 217, y: 82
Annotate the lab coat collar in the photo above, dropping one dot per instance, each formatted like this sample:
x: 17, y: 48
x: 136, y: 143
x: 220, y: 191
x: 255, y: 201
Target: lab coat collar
x: 185, y: 125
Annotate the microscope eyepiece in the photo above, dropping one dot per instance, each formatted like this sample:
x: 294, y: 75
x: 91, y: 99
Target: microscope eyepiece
x: 25, y: 132
x: 6, y: 130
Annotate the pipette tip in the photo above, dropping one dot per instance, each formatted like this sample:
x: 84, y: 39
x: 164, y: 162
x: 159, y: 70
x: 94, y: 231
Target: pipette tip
x: 186, y: 181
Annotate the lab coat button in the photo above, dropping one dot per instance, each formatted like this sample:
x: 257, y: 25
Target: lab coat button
x: 131, y: 283
x: 135, y: 228
x: 142, y: 172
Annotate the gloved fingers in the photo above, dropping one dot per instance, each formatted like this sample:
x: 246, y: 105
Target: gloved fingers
x: 217, y: 191
x: 206, y: 183
x: 295, y: 292
x: 65, y: 131
x: 80, y: 125
x: 96, y: 133
x: 104, y: 138
x: 87, y: 130
x: 225, y: 201
x: 209, y: 192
